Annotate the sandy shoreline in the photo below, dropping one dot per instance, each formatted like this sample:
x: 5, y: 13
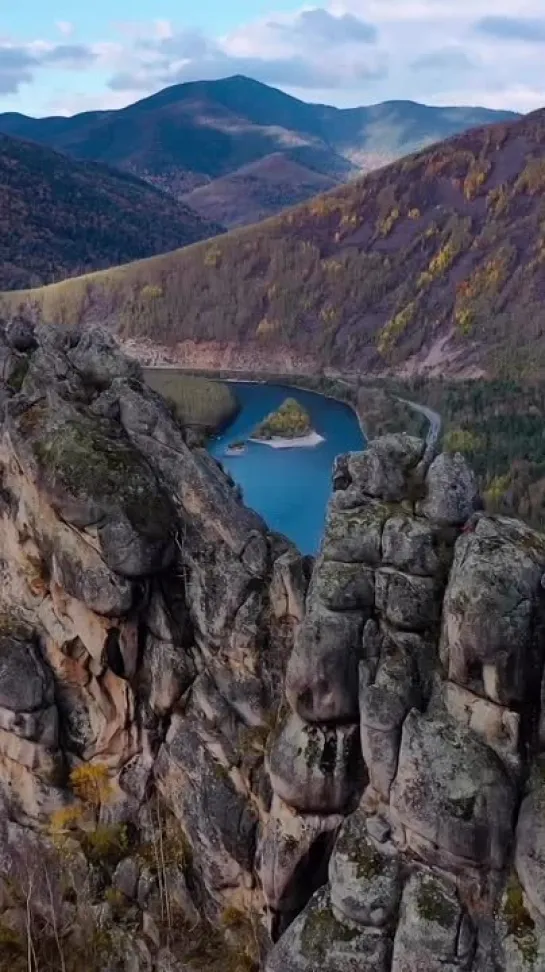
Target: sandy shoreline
x: 301, y: 442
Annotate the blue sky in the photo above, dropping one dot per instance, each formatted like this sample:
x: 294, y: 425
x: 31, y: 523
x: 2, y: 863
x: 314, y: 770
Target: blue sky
x: 62, y: 57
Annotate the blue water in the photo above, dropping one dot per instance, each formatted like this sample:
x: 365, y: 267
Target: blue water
x: 288, y: 487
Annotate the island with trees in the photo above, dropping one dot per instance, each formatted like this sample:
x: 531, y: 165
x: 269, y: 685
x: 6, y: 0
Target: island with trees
x: 289, y: 426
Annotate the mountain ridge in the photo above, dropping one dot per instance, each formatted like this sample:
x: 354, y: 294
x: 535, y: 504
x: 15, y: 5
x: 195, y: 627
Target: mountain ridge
x: 433, y: 263
x: 61, y: 217
x: 191, y: 134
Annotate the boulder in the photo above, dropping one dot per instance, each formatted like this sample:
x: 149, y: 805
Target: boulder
x: 384, y: 703
x: 407, y: 602
x: 344, y: 587
x: 315, y: 769
x: 365, y: 884
x: 412, y: 546
x: 433, y: 935
x: 354, y: 535
x: 452, y: 796
x: 26, y: 683
x: 491, y: 600
x: 217, y: 820
x: 530, y: 846
x: 321, y: 677
x: 317, y: 940
x: 451, y: 491
x: 92, y: 476
x: 387, y: 470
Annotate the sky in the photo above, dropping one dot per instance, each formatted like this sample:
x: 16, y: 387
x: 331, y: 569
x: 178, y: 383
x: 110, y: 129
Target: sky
x: 63, y: 57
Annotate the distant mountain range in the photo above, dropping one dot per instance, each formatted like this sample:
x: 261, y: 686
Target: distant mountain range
x: 433, y: 264
x: 60, y: 217
x: 237, y: 150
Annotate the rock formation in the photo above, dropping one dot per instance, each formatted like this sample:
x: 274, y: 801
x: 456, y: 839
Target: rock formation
x: 423, y: 641
x: 146, y: 616
x: 209, y: 759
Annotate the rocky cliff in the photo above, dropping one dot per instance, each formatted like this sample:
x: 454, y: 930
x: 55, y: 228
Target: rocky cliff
x: 215, y: 757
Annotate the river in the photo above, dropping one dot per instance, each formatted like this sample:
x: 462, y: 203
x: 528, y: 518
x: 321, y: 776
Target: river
x: 288, y: 487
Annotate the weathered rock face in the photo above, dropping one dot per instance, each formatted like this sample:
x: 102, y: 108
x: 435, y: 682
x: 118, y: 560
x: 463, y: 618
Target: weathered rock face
x: 441, y: 609
x: 353, y: 765
x: 146, y: 617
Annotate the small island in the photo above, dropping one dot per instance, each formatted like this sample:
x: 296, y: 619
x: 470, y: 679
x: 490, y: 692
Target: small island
x: 286, y: 428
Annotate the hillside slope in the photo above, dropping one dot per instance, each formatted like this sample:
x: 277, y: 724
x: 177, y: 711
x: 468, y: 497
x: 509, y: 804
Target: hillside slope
x: 255, y: 191
x: 60, y: 217
x: 435, y: 263
x: 192, y: 134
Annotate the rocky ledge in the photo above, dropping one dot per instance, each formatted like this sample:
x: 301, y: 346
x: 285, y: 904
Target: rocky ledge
x: 215, y: 755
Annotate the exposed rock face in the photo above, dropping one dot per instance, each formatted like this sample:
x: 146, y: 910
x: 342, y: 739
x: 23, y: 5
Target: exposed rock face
x: 441, y: 609
x: 383, y: 813
x: 146, y: 617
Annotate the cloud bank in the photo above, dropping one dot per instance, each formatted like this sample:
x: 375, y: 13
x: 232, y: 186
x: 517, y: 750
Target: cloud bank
x: 344, y: 52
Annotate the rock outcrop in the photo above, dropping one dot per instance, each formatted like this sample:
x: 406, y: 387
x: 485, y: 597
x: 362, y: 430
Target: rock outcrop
x: 424, y: 628
x: 209, y: 757
x: 146, y: 617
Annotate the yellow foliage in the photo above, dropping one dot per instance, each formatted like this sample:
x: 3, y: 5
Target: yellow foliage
x: 329, y: 315
x: 66, y: 818
x: 532, y: 178
x: 107, y: 843
x: 393, y: 330
x: 91, y: 783
x: 151, y: 292
x: 386, y: 225
x: 212, y: 256
x: 461, y: 440
x: 476, y: 177
x: 414, y: 213
x: 465, y: 319
x: 496, y: 489
x: 266, y: 327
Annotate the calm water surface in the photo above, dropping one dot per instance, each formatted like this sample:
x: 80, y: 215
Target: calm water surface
x: 288, y: 487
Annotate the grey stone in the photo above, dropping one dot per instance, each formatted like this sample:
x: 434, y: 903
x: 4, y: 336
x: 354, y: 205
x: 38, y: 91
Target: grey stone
x: 321, y: 677
x: 452, y: 493
x: 365, y: 884
x: 530, y: 846
x: 450, y: 790
x: 387, y: 470
x: 407, y: 602
x: 410, y: 545
x: 26, y: 684
x: 315, y: 769
x: 488, y: 628
x: 293, y: 853
x: 317, y: 940
x: 427, y: 938
x: 126, y: 877
x: 354, y: 535
x: 384, y: 703
x: 344, y: 587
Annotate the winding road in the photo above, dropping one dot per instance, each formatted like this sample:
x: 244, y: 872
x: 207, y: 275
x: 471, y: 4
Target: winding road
x: 433, y: 418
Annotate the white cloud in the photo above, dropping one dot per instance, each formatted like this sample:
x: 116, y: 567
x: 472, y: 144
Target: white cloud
x: 341, y: 51
x: 65, y: 27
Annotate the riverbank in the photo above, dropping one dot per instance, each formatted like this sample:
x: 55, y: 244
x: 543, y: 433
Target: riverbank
x: 377, y: 403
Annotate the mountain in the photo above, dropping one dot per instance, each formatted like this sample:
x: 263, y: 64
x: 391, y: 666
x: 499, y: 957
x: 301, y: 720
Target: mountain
x: 192, y: 134
x: 256, y: 190
x: 61, y: 217
x: 435, y: 263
